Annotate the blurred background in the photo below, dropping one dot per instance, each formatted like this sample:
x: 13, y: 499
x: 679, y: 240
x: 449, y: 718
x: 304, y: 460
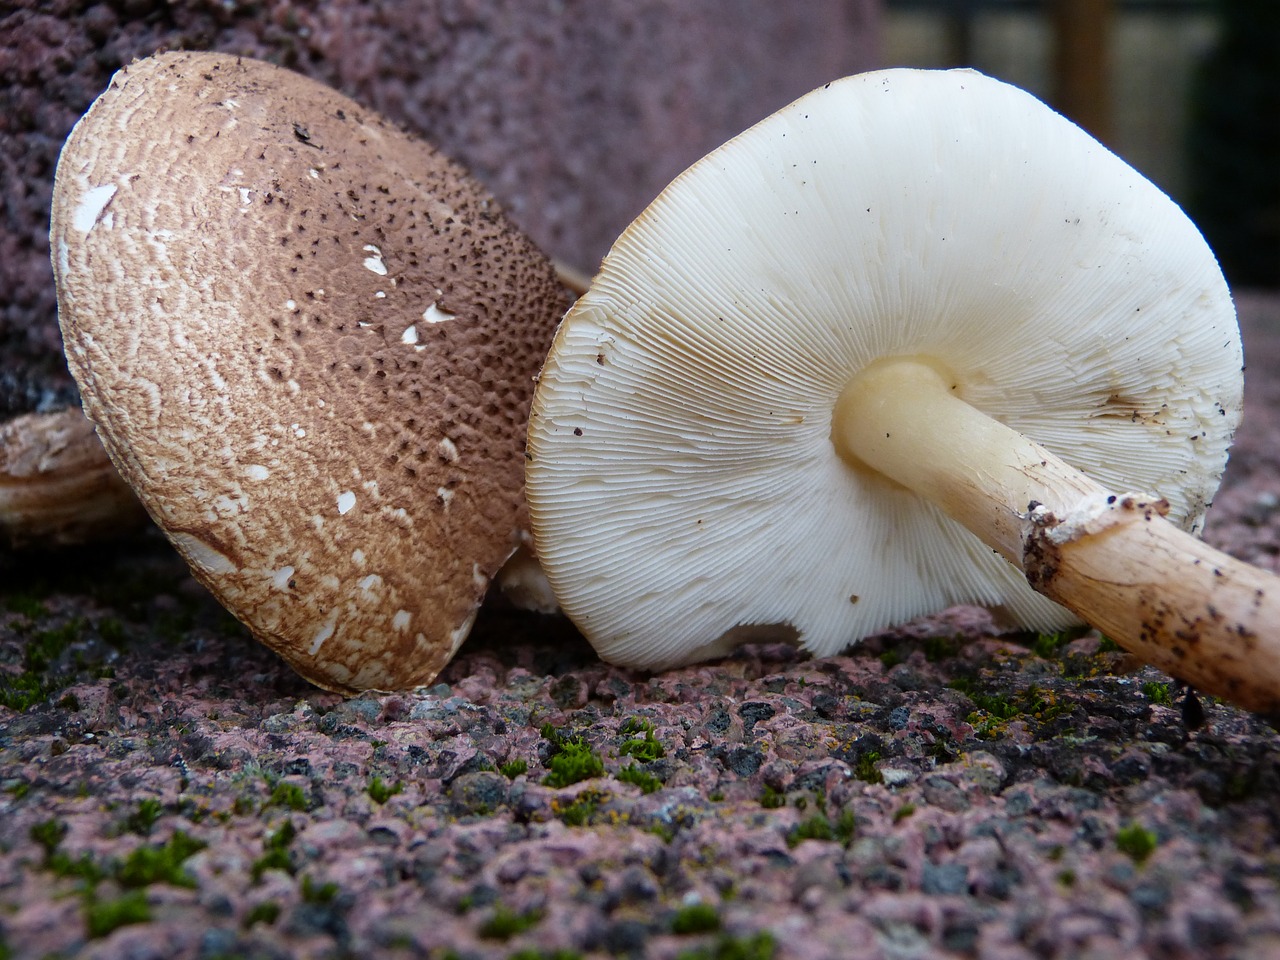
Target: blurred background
x: 1187, y: 91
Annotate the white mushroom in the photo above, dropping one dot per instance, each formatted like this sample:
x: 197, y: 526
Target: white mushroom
x: 801, y: 396
x: 308, y: 342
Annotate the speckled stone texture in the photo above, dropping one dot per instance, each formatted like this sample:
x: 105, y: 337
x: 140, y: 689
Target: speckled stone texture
x: 169, y: 789
x: 574, y: 114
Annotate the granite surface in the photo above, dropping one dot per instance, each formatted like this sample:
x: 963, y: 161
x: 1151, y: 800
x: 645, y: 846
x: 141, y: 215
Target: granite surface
x: 169, y: 789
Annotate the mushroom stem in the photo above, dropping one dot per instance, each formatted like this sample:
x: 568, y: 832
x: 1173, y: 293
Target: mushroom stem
x: 571, y: 278
x: 1112, y: 559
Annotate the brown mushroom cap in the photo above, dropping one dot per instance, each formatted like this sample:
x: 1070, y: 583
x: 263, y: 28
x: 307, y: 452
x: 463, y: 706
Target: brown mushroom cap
x: 308, y: 342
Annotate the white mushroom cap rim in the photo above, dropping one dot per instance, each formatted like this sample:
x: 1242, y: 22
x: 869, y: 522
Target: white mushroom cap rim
x: 683, y: 482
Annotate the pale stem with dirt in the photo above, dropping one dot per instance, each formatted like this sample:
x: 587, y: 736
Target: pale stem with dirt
x: 1109, y: 556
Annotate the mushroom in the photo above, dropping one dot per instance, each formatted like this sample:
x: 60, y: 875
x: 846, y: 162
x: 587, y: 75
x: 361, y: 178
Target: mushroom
x: 814, y: 389
x: 57, y: 487
x: 307, y: 341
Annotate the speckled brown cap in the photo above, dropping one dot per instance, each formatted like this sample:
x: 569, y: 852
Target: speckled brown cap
x: 308, y: 343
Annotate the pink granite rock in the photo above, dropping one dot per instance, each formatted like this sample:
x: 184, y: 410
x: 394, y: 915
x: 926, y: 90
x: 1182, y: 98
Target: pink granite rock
x: 944, y: 790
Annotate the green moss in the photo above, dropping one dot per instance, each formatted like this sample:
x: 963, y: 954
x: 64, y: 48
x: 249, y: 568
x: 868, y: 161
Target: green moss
x: 104, y: 916
x: 633, y: 725
x: 275, y: 854
x: 940, y: 648
x: 1107, y: 645
x: 69, y: 701
x: 268, y: 911
x: 514, y: 768
x: 160, y: 864
x: 696, y: 918
x: 772, y: 799
x: 816, y: 827
x: 865, y: 768
x: 1040, y: 705
x: 820, y: 827
x: 21, y: 691
x: 1157, y: 693
x: 573, y: 764
x: 380, y: 792
x: 666, y: 832
x: 571, y: 761
x: 579, y: 811
x: 904, y: 811
x: 641, y: 778
x: 288, y: 795
x: 144, y: 818
x: 112, y: 631
x: 1136, y: 841
x: 47, y: 667
x: 646, y: 749
x: 891, y: 658
x: 271, y: 860
x: 26, y: 606
x: 993, y: 710
x: 83, y: 867
x: 319, y: 893
x: 49, y: 834
x: 46, y: 647
x: 996, y: 706
x: 243, y: 805
x: 757, y: 946
x: 506, y: 923
x: 196, y: 812
x: 173, y: 625
x: 1047, y: 645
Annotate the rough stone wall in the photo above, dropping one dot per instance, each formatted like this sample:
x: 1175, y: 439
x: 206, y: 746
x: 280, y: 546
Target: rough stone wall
x: 575, y: 112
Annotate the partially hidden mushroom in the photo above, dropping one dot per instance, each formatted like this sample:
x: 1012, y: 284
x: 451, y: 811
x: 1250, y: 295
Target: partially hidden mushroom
x: 57, y: 485
x: 307, y: 340
x: 914, y: 341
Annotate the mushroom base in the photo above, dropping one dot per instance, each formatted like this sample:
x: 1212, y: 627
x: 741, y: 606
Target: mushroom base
x: 1112, y: 559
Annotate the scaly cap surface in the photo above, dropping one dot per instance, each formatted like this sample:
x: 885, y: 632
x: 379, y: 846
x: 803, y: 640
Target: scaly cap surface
x: 307, y: 341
